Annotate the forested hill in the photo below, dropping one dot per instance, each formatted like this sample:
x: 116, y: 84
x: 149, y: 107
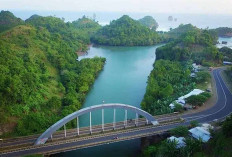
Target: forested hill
x: 8, y: 20
x: 125, y: 31
x: 74, y: 36
x: 85, y: 23
x: 223, y: 31
x: 149, y: 21
x: 179, y: 31
x: 41, y: 81
x: 197, y: 44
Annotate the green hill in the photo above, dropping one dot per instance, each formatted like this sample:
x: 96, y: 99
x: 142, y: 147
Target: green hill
x: 149, y: 21
x: 125, y: 31
x: 41, y: 81
x: 198, y: 45
x: 223, y: 31
x: 8, y: 20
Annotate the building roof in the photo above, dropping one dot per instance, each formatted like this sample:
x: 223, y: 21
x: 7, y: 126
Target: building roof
x: 193, y: 92
x: 180, y: 141
x: 199, y: 132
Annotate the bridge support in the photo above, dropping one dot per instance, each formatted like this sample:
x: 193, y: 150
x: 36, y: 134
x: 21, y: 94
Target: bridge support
x: 64, y: 130
x: 136, y: 119
x: 125, y: 119
x: 90, y: 123
x: 51, y: 136
x: 78, y: 130
x: 102, y: 120
x: 146, y: 121
x: 114, y: 119
x: 62, y: 122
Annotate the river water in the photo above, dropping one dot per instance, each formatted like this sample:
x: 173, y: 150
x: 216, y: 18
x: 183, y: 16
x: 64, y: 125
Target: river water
x: 123, y: 80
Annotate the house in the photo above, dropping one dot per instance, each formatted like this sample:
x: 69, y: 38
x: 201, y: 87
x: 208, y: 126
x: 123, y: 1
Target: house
x: 180, y: 141
x: 227, y: 63
x: 181, y: 100
x: 200, y: 133
x: 206, y: 126
x: 193, y: 92
x: 193, y: 75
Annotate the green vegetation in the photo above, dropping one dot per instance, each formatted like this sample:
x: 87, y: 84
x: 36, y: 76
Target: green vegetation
x: 86, y: 24
x: 196, y: 45
x: 198, y: 99
x: 8, y: 20
x: 41, y: 81
x: 223, y: 31
x: 169, y: 148
x: 202, y: 76
x: 180, y: 131
x: 167, y: 81
x: 149, y: 21
x: 219, y: 145
x: 179, y: 31
x: 125, y: 31
x: 227, y: 53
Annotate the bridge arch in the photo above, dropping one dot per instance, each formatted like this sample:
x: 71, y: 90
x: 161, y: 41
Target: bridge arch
x: 48, y: 133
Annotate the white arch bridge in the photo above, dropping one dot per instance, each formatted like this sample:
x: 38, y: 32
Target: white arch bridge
x: 61, y: 123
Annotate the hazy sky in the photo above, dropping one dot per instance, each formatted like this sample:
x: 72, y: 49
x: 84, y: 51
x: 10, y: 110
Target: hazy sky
x: 152, y: 6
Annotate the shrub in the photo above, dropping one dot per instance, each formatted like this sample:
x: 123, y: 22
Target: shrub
x: 180, y: 131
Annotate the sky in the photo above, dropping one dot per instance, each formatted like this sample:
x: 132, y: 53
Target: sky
x: 139, y: 6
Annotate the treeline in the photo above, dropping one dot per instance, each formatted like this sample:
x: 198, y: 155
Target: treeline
x: 197, y: 45
x: 41, y: 81
x: 167, y: 81
x: 223, y: 31
x: 125, y: 31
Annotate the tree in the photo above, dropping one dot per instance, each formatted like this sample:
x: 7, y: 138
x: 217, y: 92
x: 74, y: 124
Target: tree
x: 194, y: 123
x: 179, y: 131
x: 227, y: 127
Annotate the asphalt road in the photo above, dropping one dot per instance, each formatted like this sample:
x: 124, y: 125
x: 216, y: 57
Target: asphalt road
x: 220, y: 110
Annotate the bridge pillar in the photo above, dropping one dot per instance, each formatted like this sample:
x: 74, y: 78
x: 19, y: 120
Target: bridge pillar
x: 78, y: 130
x: 136, y: 119
x: 90, y: 123
x: 64, y: 130
x: 146, y: 121
x: 125, y: 119
x: 102, y: 119
x: 114, y: 119
x: 51, y: 136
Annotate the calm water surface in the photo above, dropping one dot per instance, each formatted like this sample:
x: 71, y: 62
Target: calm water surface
x: 123, y: 80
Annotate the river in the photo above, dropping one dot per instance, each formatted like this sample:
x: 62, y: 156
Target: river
x: 123, y: 80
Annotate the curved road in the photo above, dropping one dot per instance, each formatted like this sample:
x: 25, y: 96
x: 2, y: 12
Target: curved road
x: 220, y: 110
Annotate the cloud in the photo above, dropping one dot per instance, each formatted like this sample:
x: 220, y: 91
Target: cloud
x: 154, y: 6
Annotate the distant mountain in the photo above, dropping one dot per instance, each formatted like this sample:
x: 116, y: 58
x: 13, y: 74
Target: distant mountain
x: 125, y: 31
x: 223, y: 31
x: 149, y: 21
x: 8, y: 20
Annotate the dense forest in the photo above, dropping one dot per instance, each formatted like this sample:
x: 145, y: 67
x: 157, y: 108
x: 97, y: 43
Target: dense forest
x: 227, y: 53
x: 125, y: 31
x: 8, y: 20
x: 167, y: 81
x: 223, y: 31
x: 41, y: 81
x: 150, y: 22
x: 197, y: 45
